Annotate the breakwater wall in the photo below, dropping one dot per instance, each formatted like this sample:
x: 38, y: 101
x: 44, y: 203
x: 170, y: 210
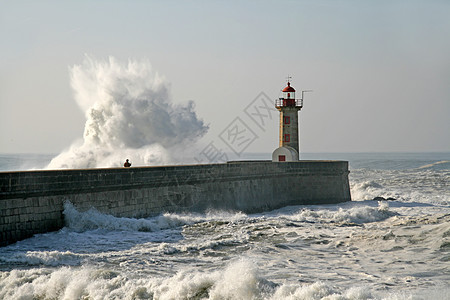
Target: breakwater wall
x: 32, y: 201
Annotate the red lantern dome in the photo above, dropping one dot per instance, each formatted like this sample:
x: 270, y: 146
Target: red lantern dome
x: 289, y: 88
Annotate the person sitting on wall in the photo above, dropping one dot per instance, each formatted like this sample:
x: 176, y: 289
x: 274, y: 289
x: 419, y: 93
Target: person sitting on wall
x: 127, y: 164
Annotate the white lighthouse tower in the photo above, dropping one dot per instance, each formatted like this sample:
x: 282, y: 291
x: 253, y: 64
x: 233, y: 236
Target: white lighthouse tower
x: 288, y: 107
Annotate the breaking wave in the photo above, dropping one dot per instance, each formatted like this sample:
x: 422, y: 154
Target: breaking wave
x: 240, y: 279
x: 443, y: 164
x: 93, y: 219
x: 418, y: 185
x: 366, y: 190
x: 129, y: 114
x: 354, y: 215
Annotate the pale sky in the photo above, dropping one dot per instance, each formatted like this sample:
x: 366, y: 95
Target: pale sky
x: 379, y: 70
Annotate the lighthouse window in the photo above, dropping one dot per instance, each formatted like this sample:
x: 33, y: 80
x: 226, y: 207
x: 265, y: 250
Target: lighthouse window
x: 290, y: 95
x: 287, y: 120
x: 287, y: 137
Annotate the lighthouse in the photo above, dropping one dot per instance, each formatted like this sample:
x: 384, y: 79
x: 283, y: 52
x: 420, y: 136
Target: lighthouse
x: 288, y: 107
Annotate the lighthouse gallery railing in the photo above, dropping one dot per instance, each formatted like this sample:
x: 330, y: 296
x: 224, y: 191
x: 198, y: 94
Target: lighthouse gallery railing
x: 288, y: 102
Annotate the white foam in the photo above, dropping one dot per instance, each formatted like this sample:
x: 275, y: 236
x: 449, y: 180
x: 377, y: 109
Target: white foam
x: 241, y: 279
x: 415, y: 185
x: 366, y: 190
x: 48, y: 258
x: 129, y: 114
x: 93, y: 219
x: 354, y: 214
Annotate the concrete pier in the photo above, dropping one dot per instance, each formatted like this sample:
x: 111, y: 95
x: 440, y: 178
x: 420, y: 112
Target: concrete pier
x: 32, y: 201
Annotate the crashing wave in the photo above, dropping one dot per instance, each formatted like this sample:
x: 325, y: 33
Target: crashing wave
x: 129, y: 114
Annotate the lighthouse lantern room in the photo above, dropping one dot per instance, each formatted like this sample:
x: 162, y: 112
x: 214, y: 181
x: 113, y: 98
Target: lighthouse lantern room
x: 288, y: 107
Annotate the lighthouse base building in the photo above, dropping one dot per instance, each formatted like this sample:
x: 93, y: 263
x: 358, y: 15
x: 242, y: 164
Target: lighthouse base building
x: 285, y: 153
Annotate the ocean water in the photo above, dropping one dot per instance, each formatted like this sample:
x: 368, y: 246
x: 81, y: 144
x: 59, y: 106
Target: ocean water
x: 364, y: 249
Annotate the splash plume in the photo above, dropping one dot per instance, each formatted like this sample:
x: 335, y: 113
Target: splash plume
x: 129, y: 114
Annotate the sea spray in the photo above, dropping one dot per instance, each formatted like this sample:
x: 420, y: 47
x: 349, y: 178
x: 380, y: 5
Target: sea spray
x: 129, y: 114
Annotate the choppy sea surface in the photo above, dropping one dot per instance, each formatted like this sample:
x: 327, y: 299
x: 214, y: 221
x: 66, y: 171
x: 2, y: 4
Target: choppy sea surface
x: 364, y: 249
